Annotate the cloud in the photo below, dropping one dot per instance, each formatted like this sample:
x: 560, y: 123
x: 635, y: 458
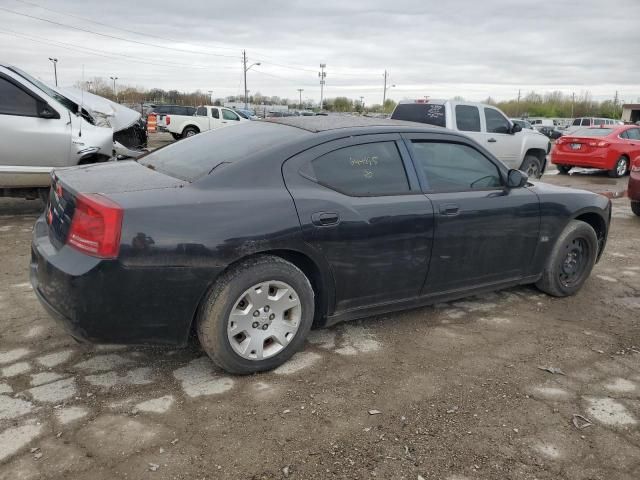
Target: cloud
x: 468, y: 48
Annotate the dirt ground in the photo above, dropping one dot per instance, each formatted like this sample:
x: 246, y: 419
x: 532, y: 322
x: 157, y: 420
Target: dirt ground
x: 455, y: 391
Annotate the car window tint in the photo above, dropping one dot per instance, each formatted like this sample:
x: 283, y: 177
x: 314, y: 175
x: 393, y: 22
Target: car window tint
x: 586, y: 122
x: 215, y: 113
x: 454, y: 167
x: 15, y: 101
x: 598, y: 121
x: 367, y: 169
x: 467, y: 118
x: 430, y: 113
x: 576, y: 122
x: 624, y: 135
x: 229, y: 115
x: 201, y: 112
x: 496, y: 123
x: 633, y: 133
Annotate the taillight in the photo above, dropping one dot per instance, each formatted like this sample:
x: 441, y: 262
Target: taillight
x: 96, y: 226
x: 599, y: 144
x: 167, y: 120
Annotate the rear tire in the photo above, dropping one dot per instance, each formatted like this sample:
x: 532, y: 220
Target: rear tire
x: 621, y: 168
x: 531, y: 166
x: 190, y: 132
x: 571, y: 260
x: 563, y: 169
x: 231, y: 307
x: 635, y: 207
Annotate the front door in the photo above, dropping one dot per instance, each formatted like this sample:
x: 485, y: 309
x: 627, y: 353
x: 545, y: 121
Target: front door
x: 484, y: 232
x: 499, y: 140
x: 360, y: 205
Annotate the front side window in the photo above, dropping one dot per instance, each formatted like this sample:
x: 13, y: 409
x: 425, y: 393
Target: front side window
x: 15, y: 101
x: 496, y: 123
x: 201, y: 112
x: 467, y: 118
x: 452, y: 167
x: 576, y: 122
x: 359, y: 170
x: 229, y: 115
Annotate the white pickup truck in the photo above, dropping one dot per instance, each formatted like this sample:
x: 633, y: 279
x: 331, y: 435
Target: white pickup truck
x: 206, y: 118
x: 525, y: 150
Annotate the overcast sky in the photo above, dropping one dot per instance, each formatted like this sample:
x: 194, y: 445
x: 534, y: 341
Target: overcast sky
x: 470, y: 48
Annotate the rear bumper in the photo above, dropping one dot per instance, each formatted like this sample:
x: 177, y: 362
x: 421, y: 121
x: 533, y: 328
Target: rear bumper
x: 594, y: 160
x: 104, y: 301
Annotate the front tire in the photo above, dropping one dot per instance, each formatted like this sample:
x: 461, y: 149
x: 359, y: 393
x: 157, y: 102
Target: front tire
x: 571, y: 260
x: 635, y: 207
x: 621, y: 168
x: 256, y: 316
x: 531, y: 166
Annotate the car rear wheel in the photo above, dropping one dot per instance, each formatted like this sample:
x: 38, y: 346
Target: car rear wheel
x: 571, y: 260
x: 621, y: 168
x: 531, y: 166
x: 635, y: 207
x: 190, y: 132
x: 256, y: 316
x: 563, y: 169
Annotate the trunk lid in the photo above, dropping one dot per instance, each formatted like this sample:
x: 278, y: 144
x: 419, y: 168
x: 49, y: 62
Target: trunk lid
x: 104, y: 179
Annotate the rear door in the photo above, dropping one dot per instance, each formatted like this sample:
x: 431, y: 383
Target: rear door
x: 203, y: 119
x: 360, y: 205
x: 484, y: 232
x: 467, y: 121
x: 498, y: 139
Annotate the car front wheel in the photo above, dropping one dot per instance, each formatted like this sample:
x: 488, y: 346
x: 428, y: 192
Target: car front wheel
x: 571, y: 260
x: 256, y: 316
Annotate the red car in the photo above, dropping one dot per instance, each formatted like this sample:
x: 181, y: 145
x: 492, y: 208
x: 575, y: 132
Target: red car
x: 634, y: 186
x: 611, y: 147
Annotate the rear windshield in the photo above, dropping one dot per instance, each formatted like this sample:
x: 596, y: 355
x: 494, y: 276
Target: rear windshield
x: 429, y: 113
x: 592, y: 132
x: 196, y: 156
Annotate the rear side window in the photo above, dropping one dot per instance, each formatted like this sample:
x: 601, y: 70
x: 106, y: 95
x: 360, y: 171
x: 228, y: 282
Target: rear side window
x: 452, y: 167
x: 496, y: 123
x: 633, y: 134
x: 429, y: 113
x: 201, y: 112
x: 586, y: 122
x: 363, y: 170
x: 15, y: 101
x: 467, y: 118
x: 215, y: 113
x: 598, y: 121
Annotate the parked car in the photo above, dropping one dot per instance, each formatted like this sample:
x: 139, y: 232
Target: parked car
x: 538, y: 123
x: 609, y: 148
x: 487, y: 125
x: 582, y: 122
x: 633, y: 191
x: 551, y: 132
x: 46, y: 127
x: 246, y: 113
x: 161, y: 112
x: 205, y: 118
x: 298, y: 221
x: 523, y: 123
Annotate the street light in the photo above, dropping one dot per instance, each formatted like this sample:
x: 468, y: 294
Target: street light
x: 210, y: 96
x: 300, y: 90
x: 55, y: 68
x: 115, y: 93
x: 246, y: 69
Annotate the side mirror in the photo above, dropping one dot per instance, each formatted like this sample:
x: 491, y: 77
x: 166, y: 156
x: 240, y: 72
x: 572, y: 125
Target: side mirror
x: 517, y: 179
x: 515, y: 128
x: 46, y: 111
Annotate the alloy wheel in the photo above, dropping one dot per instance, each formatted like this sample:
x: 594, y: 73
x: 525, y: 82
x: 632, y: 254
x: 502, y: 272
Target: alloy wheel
x: 264, y: 320
x: 621, y: 167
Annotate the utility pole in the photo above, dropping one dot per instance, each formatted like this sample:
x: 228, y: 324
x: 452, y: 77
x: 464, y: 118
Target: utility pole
x: 384, y: 93
x: 210, y: 96
x: 300, y: 90
x: 55, y: 68
x: 115, y: 93
x: 362, y: 103
x: 615, y: 104
x: 518, y: 107
x: 245, y: 70
x: 322, y: 74
x: 573, y: 101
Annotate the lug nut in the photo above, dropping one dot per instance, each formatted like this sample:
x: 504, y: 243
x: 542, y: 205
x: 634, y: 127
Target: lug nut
x: 265, y: 326
x: 256, y: 313
x: 266, y: 308
x: 255, y: 324
x: 272, y: 316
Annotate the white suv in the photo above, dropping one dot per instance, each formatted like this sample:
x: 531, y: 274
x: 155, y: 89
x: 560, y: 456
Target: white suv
x: 525, y: 150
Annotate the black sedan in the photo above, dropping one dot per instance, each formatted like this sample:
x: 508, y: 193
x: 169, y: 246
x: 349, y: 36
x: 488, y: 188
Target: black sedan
x: 250, y: 235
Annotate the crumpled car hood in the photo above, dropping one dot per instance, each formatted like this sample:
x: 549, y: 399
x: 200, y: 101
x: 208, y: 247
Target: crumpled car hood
x: 120, y: 117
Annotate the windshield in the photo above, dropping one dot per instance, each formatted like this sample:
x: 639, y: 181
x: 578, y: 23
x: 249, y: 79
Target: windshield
x: 592, y: 132
x: 196, y: 156
x: 46, y: 89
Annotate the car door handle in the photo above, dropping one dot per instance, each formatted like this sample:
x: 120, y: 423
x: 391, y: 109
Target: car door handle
x: 325, y: 219
x: 449, y: 209
x: 492, y: 140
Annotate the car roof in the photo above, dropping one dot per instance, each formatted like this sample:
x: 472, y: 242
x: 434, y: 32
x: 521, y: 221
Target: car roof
x: 323, y: 123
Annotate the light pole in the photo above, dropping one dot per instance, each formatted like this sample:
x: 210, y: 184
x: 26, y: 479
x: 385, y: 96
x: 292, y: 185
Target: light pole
x: 210, y: 96
x: 55, y: 68
x: 384, y: 93
x: 362, y: 103
x: 322, y: 74
x: 115, y: 93
x: 300, y: 90
x: 246, y: 69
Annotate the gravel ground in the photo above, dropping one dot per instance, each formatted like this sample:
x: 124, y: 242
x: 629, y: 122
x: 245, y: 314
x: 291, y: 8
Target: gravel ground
x: 455, y: 391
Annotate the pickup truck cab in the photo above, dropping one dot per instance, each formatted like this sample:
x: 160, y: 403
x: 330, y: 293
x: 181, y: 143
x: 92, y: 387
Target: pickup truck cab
x: 206, y: 118
x: 520, y: 149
